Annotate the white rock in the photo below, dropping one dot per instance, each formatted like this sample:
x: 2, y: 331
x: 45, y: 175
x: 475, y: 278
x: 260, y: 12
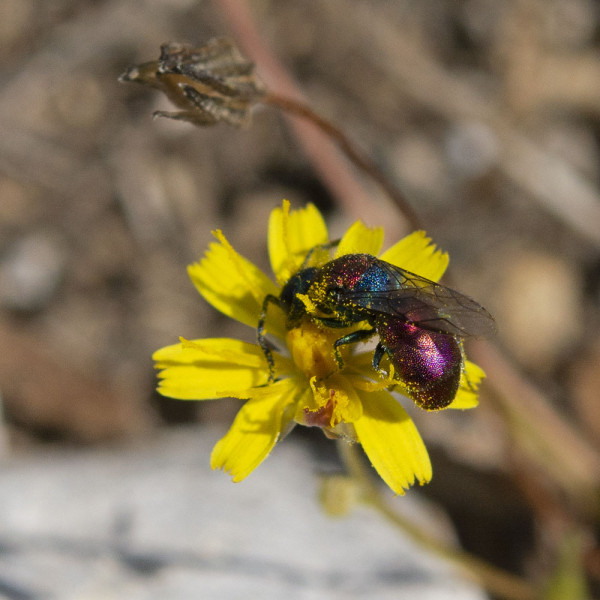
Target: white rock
x: 154, y: 522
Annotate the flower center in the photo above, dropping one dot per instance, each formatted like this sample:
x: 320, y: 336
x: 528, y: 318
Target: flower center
x: 311, y: 347
x: 333, y: 403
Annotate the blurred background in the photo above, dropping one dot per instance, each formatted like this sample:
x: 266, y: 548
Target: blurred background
x: 485, y: 113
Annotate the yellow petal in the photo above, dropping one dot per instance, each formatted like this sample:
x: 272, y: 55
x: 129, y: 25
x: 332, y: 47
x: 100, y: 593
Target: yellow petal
x: 348, y: 405
x: 255, y: 430
x: 416, y: 253
x: 392, y: 442
x: 361, y: 239
x: 467, y: 395
x: 291, y: 236
x: 336, y: 394
x: 225, y: 350
x: 231, y: 283
x: 210, y: 368
x: 366, y: 384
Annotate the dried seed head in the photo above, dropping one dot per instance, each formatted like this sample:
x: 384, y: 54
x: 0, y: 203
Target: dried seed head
x: 210, y: 83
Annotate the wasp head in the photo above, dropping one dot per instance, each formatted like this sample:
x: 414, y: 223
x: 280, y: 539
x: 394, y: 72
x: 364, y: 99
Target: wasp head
x: 291, y: 304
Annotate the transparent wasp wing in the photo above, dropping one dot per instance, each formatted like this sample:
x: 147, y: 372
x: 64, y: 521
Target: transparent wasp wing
x: 393, y: 291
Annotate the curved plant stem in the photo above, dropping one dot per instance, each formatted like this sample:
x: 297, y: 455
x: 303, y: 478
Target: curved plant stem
x: 358, y: 158
x: 498, y: 582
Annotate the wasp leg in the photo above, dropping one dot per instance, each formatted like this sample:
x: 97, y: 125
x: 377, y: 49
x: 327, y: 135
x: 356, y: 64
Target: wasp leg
x: 380, y: 350
x: 351, y: 338
x: 331, y: 322
x: 260, y: 334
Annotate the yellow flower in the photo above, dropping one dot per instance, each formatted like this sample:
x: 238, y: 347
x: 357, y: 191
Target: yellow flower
x: 309, y: 387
